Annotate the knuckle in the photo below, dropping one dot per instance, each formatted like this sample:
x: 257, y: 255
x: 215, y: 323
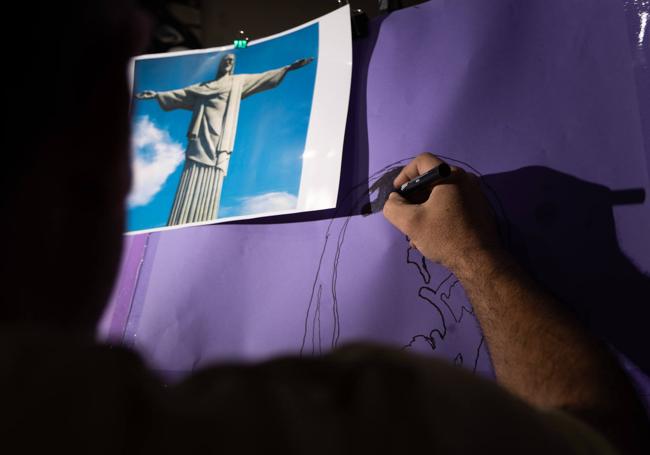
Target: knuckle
x: 389, y: 207
x: 386, y: 210
x: 427, y: 157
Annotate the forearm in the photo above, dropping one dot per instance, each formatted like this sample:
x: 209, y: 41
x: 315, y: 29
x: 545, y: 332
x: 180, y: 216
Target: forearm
x: 541, y: 353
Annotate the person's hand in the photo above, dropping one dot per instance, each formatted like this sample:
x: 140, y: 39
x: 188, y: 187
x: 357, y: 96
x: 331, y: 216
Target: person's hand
x: 146, y: 95
x: 454, y: 223
x: 300, y: 63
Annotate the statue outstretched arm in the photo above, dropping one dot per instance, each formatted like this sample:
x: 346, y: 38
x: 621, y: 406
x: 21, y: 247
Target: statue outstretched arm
x: 145, y: 95
x: 255, y: 83
x: 300, y: 63
x: 170, y: 100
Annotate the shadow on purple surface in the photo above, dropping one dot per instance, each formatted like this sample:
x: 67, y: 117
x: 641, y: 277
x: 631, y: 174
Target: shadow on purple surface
x: 562, y: 230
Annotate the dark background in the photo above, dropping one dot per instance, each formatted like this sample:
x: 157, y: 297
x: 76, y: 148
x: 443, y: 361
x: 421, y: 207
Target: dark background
x: 183, y: 24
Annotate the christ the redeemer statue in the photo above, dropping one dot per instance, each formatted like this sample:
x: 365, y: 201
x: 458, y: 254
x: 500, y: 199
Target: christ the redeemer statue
x: 211, y: 134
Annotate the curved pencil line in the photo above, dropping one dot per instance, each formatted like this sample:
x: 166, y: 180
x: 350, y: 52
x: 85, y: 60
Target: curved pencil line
x: 444, y: 297
x: 463, y: 309
x: 478, y: 353
x: 425, y: 277
x: 320, y: 344
x: 313, y: 288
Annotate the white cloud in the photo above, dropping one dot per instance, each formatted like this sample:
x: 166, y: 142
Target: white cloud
x: 156, y: 157
x: 268, y: 202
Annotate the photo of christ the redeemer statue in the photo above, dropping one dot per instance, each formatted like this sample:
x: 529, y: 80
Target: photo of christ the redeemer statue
x: 229, y: 134
x: 215, y: 107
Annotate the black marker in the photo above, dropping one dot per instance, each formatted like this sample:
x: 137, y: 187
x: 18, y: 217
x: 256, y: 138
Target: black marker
x: 428, y: 178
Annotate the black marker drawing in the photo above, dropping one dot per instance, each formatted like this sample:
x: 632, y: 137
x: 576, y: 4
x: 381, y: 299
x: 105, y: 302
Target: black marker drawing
x: 439, y: 296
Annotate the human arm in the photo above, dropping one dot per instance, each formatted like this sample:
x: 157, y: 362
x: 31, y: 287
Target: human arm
x: 539, y: 352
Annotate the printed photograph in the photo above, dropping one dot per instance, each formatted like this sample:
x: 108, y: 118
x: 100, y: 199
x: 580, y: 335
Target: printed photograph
x: 221, y: 134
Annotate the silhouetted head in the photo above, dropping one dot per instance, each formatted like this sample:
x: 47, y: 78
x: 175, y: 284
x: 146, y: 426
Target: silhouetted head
x: 68, y: 173
x: 227, y: 65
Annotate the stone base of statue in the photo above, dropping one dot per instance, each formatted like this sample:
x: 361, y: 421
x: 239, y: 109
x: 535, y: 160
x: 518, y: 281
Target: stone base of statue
x: 197, y: 195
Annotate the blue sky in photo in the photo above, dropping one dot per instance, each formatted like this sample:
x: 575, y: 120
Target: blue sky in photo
x: 272, y: 126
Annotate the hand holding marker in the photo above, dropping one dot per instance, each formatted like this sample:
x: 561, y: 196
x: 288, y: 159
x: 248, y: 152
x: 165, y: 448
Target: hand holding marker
x: 428, y: 178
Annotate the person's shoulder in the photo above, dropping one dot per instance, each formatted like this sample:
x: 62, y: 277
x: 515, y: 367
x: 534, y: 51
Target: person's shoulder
x: 68, y: 390
x: 46, y: 354
x: 580, y: 436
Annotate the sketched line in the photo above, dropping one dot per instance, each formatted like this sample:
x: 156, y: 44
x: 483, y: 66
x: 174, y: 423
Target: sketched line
x: 316, y: 316
x: 421, y: 265
x: 443, y: 297
x: 504, y: 233
x: 478, y: 353
x: 430, y: 338
x: 320, y: 344
x: 427, y: 338
x: 463, y: 309
x: 336, y: 331
x: 134, y: 292
x: 356, y: 205
x: 313, y: 288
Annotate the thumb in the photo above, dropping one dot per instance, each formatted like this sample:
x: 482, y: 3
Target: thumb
x: 400, y: 212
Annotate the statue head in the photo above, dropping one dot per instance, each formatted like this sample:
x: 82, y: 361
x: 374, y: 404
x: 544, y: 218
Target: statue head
x: 227, y: 65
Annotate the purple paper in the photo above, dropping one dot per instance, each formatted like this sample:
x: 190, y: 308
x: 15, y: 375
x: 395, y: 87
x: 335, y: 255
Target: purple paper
x: 542, y: 98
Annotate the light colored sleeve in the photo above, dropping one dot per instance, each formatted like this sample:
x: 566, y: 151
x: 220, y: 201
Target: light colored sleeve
x: 176, y: 99
x: 255, y: 83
